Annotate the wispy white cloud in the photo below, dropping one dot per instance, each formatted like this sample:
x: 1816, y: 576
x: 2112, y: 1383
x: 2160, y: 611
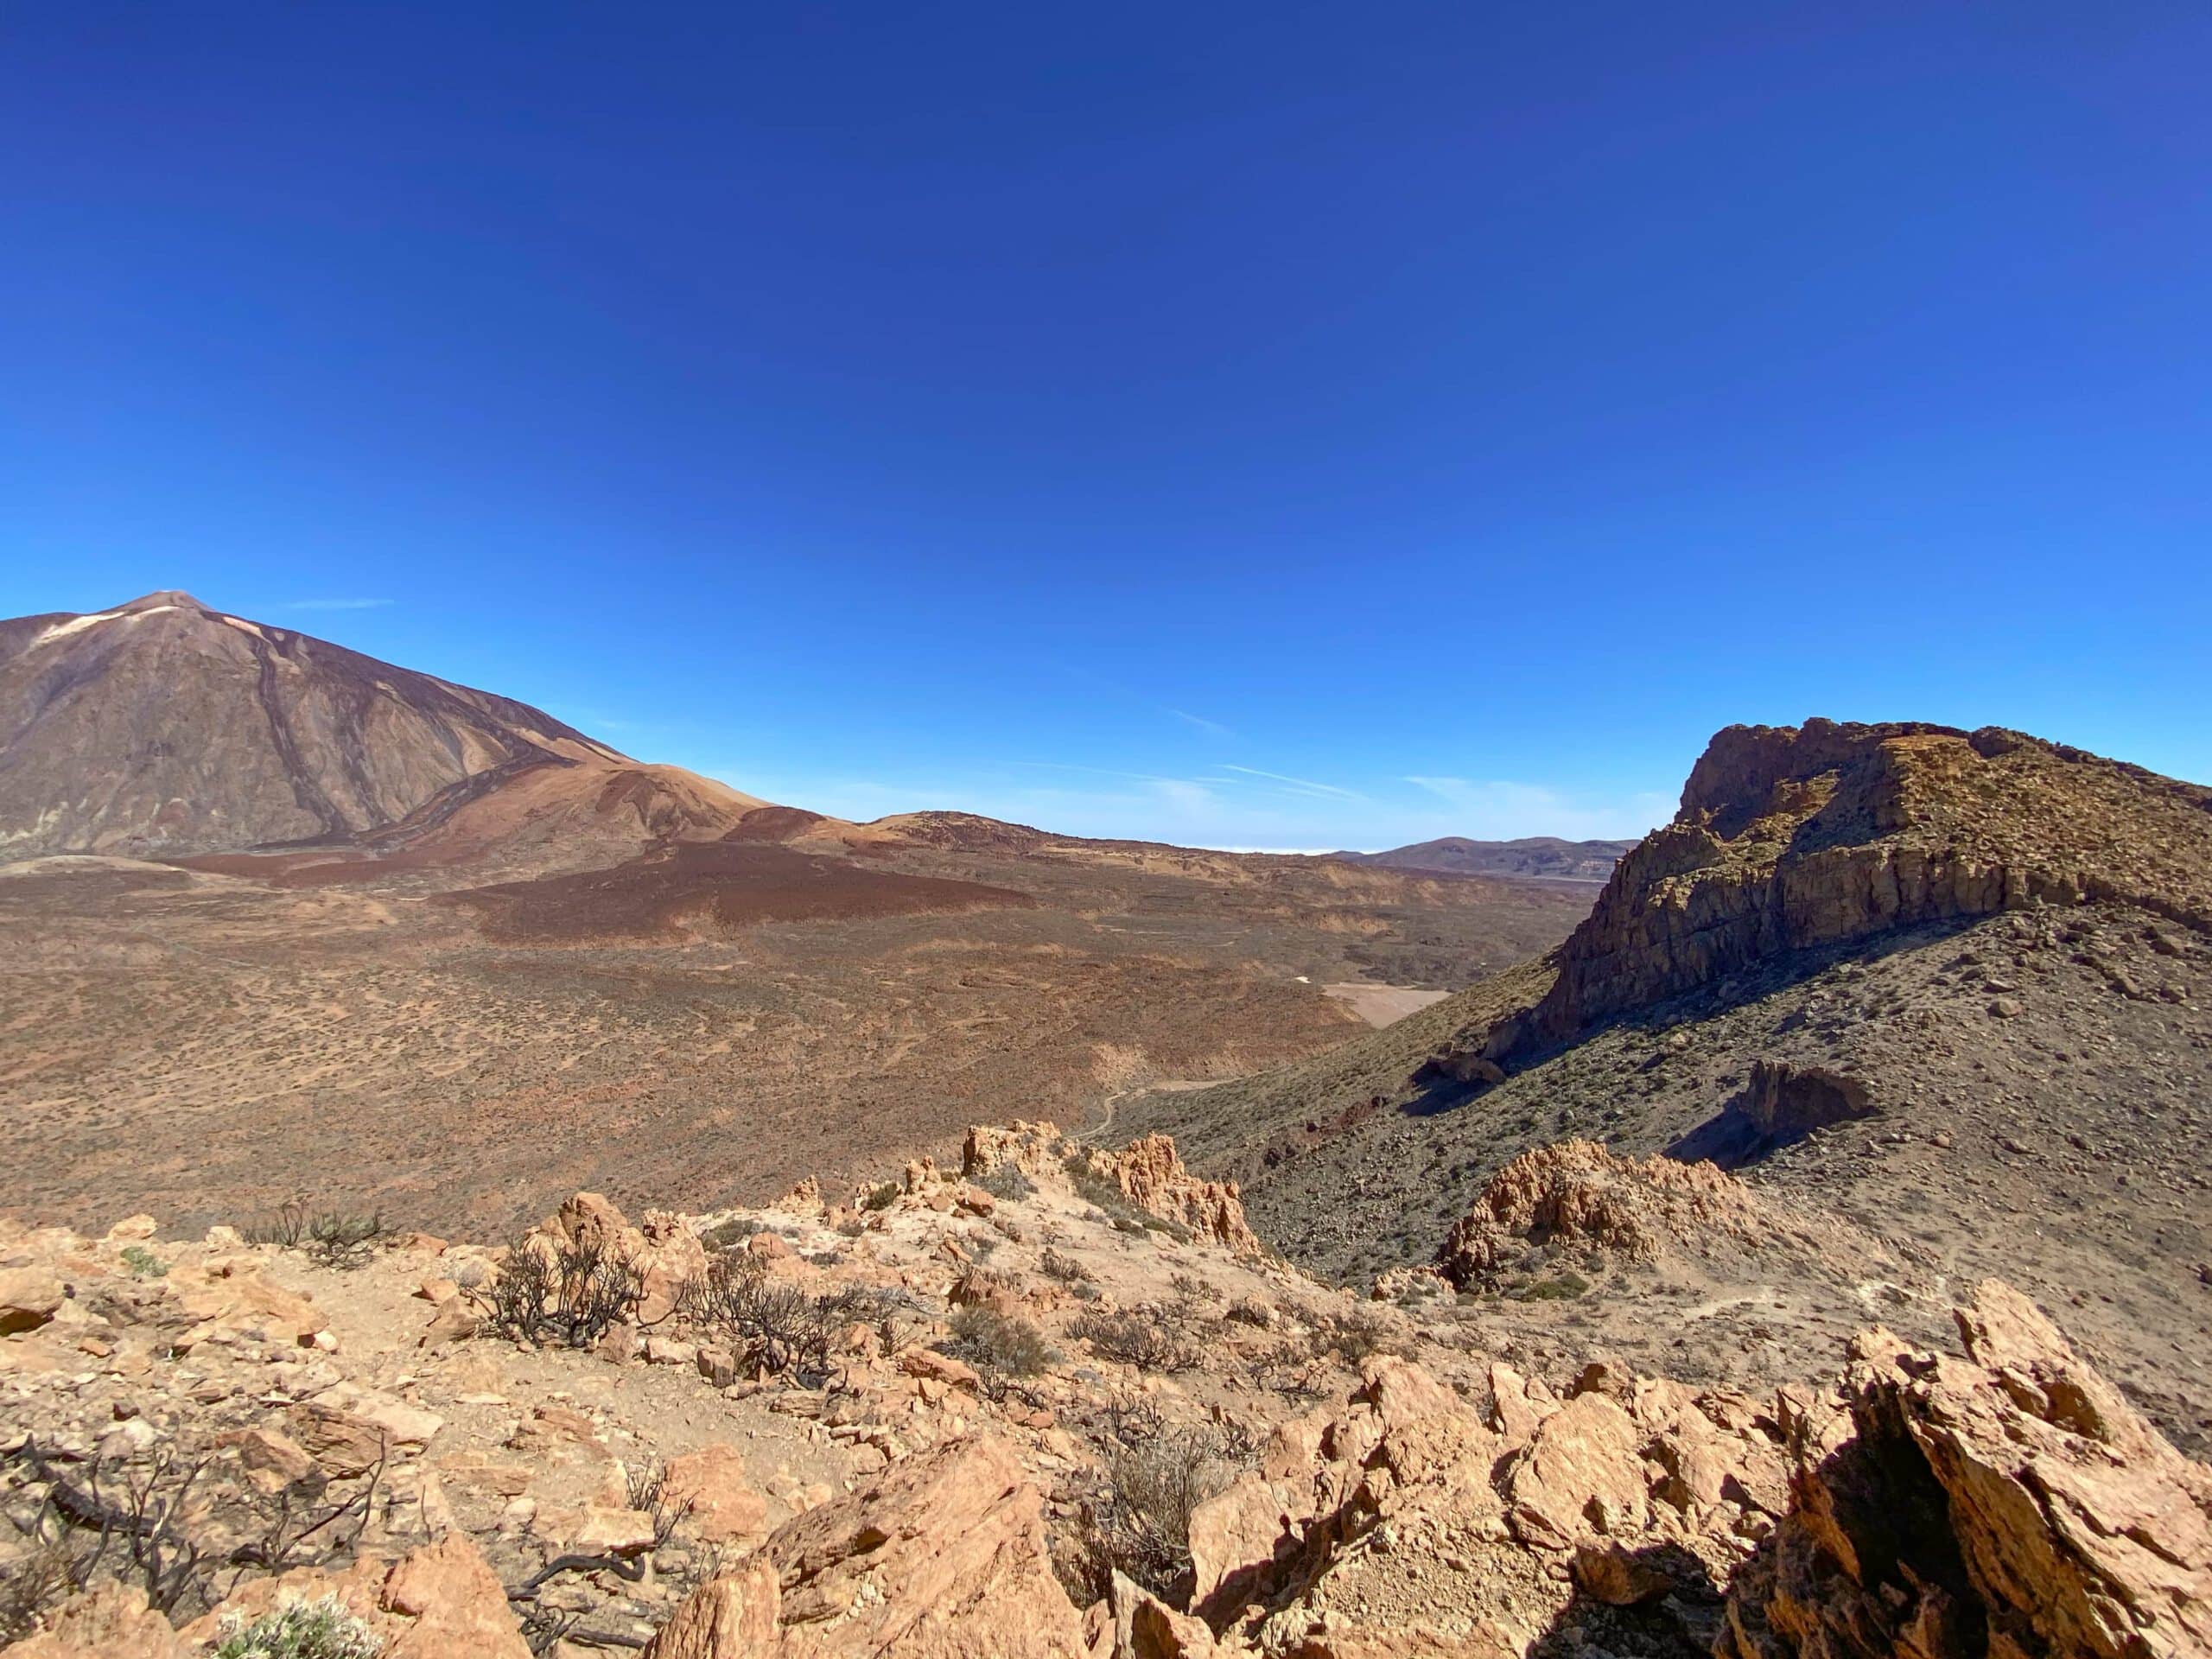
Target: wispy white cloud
x: 1211, y: 728
x: 1498, y: 809
x: 1304, y: 785
x: 336, y: 605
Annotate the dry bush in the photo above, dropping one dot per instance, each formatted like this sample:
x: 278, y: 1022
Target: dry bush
x: 775, y: 1327
x: 1155, y: 1474
x: 1065, y: 1268
x: 1136, y: 1336
x: 997, y: 1344
x: 568, y: 1293
x: 1008, y: 1182
x: 332, y: 1238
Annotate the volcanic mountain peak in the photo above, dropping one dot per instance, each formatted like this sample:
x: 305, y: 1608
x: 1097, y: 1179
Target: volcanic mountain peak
x: 165, y: 726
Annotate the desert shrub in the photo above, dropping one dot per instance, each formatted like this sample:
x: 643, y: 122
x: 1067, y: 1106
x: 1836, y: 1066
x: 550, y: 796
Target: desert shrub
x: 1245, y: 1310
x: 728, y: 1235
x: 1193, y: 1290
x: 1567, y: 1287
x: 774, y: 1327
x: 1065, y: 1268
x: 1154, y: 1476
x: 1352, y: 1339
x: 881, y: 1197
x: 337, y: 1239
x: 298, y: 1630
x: 143, y: 1263
x: 1007, y: 1181
x: 566, y: 1292
x: 994, y: 1342
x: 1133, y: 1336
x: 334, y: 1238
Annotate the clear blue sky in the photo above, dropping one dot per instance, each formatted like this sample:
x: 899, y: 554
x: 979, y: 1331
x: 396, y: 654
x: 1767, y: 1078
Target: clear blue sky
x: 1263, y: 425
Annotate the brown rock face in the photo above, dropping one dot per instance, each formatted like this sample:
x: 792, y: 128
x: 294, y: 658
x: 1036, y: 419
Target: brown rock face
x: 2012, y: 1502
x: 1151, y: 1175
x: 944, y: 1556
x: 108, y: 1621
x: 1794, y: 837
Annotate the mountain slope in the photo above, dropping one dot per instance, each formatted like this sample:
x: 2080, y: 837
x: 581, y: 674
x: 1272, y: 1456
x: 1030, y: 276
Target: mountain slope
x: 1955, y: 987
x: 1539, y: 857
x: 164, y: 726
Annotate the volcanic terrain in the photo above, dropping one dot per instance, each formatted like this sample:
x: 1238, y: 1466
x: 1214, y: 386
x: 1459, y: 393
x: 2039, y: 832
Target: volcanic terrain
x: 282, y: 921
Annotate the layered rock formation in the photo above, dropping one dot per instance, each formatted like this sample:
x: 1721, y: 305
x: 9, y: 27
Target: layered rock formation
x: 1791, y: 838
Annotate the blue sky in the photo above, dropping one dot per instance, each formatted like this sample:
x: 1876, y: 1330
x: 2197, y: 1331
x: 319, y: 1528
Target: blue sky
x: 1252, y: 425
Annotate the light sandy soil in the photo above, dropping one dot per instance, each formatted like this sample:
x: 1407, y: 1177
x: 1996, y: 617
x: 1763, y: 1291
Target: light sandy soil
x: 1384, y: 1004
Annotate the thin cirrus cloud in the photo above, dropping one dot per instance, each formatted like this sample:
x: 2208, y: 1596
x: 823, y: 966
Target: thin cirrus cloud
x: 1496, y: 808
x: 1211, y: 728
x: 1299, y: 786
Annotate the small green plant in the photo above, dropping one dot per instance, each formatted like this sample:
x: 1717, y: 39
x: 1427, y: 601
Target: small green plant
x: 728, y: 1235
x: 298, y: 1630
x: 880, y: 1197
x: 1565, y: 1288
x: 143, y: 1263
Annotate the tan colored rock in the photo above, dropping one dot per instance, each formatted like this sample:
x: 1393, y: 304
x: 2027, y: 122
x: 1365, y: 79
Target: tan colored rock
x: 1581, y: 1474
x: 942, y: 1556
x: 343, y: 1443
x: 733, y: 1617
x: 108, y: 1621
x: 456, y: 1603
x: 1151, y: 1175
x: 272, y: 1459
x: 2064, y: 1523
x: 711, y: 1485
x: 30, y: 1297
x: 1144, y: 1627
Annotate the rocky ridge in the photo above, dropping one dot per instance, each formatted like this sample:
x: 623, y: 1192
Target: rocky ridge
x: 1056, y: 1403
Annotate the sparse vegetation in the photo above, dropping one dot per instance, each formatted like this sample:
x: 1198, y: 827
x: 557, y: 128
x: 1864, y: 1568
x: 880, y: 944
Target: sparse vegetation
x: 1007, y: 1182
x: 332, y: 1238
x: 880, y: 1196
x: 1565, y: 1287
x: 728, y: 1235
x: 1134, y: 1337
x: 299, y: 1630
x: 999, y: 1343
x: 1156, y: 1475
x: 565, y: 1292
x: 775, y: 1327
x: 143, y: 1263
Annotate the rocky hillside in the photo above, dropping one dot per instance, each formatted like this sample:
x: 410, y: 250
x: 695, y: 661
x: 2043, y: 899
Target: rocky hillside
x: 1951, y: 987
x: 1060, y: 1402
x: 164, y: 726
x: 1532, y: 857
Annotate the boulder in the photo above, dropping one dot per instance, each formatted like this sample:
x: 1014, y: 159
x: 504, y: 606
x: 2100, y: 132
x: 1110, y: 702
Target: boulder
x: 30, y: 1297
x: 108, y: 1621
x: 733, y: 1617
x: 2011, y: 1501
x: 719, y: 1500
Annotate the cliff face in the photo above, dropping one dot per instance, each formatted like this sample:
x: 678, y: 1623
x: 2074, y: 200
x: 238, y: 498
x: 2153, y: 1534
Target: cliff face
x: 1794, y: 837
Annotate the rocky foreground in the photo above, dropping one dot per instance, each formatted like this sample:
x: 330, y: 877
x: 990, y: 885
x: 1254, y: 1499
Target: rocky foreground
x: 1061, y: 1402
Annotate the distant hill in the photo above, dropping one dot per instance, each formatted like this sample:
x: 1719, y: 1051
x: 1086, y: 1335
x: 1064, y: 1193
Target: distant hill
x: 167, y: 727
x: 1532, y: 856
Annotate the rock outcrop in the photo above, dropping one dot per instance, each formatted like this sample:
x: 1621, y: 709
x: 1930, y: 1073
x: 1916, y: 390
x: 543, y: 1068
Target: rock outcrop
x: 943, y: 1557
x: 1576, y: 1201
x: 2011, y: 1502
x: 1791, y: 838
